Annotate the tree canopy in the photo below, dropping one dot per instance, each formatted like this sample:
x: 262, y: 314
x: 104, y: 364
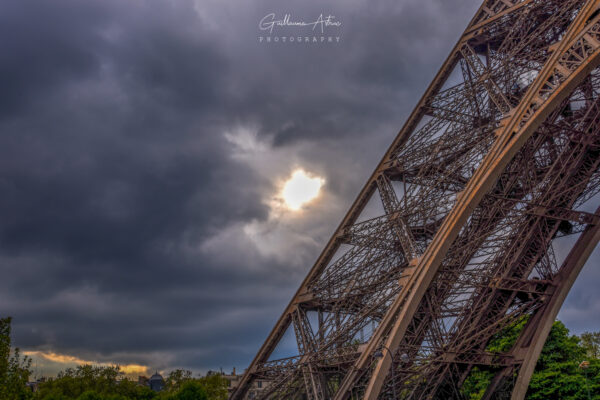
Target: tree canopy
x: 557, y: 374
x: 87, y: 382
x: 14, y: 369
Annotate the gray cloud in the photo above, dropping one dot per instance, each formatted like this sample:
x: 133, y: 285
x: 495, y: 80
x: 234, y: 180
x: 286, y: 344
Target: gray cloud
x: 126, y: 203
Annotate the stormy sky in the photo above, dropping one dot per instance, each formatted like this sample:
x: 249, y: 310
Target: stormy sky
x: 142, y: 147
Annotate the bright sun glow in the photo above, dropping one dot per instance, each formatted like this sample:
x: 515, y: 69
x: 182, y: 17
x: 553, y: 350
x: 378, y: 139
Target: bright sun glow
x: 300, y: 189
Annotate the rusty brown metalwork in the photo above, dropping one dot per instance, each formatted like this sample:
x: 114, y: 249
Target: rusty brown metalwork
x: 498, y: 165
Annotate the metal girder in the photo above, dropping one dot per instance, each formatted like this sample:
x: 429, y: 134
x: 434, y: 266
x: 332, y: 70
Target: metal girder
x: 531, y: 341
x: 392, y: 208
x: 493, y: 167
x: 563, y: 68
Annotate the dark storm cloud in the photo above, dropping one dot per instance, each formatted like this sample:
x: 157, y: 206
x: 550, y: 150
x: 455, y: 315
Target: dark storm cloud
x: 122, y: 204
x: 388, y: 54
x: 110, y: 160
x: 44, y: 46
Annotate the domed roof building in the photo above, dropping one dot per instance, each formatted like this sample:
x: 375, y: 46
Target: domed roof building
x: 156, y: 382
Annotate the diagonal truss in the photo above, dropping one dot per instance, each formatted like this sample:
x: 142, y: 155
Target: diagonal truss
x: 497, y: 166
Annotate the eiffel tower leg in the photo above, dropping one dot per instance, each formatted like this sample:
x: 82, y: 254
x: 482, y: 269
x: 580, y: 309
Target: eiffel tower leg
x: 476, y: 137
x: 530, y: 113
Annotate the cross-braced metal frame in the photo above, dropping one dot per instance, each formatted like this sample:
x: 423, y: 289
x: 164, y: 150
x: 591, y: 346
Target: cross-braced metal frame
x: 497, y: 166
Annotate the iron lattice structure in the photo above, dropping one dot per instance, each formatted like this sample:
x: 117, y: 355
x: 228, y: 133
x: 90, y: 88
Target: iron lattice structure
x: 497, y: 166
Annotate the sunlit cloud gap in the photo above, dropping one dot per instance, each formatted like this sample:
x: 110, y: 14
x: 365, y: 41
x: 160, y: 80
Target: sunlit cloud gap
x: 128, y: 369
x: 300, y: 189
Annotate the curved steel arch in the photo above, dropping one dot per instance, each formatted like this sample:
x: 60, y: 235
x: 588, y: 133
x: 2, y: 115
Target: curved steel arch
x: 525, y: 119
x: 478, y: 160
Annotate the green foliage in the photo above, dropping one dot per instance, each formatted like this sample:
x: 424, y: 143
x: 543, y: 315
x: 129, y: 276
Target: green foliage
x: 566, y: 381
x: 591, y: 343
x: 560, y: 347
x: 192, y: 390
x: 14, y: 370
x: 557, y: 374
x: 181, y: 383
x: 90, y: 395
x: 503, y: 341
x: 215, y: 386
x: 87, y: 382
x: 176, y: 379
x: 476, y: 384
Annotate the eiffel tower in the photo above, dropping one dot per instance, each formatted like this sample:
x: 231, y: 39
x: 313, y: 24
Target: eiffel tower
x: 451, y: 242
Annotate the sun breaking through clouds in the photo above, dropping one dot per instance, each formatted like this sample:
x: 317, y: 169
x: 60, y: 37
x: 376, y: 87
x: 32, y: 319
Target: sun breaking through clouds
x: 300, y: 189
x: 163, y: 187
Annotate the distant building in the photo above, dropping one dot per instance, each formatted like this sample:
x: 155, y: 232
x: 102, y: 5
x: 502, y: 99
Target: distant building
x: 233, y: 380
x: 34, y: 385
x: 156, y: 382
